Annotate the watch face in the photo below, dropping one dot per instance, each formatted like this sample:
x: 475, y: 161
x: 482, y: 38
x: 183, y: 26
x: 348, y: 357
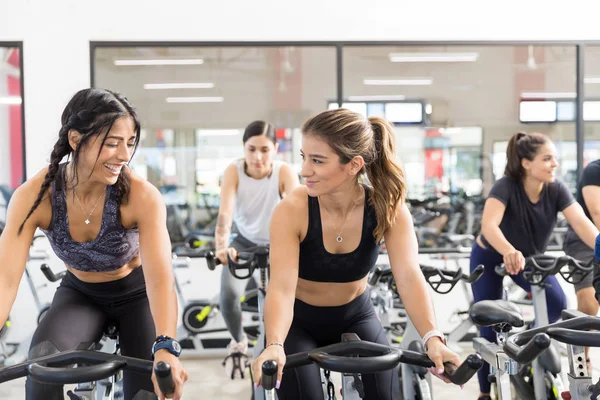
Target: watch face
x: 176, y: 346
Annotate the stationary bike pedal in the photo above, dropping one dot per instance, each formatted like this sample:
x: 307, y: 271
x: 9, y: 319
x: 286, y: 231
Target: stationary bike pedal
x: 73, y: 396
x: 358, y: 385
x: 234, y: 361
x: 595, y: 388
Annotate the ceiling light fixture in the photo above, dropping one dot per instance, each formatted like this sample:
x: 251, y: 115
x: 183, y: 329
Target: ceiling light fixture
x: 152, y: 86
x: 381, y: 97
x: 398, y: 82
x: 190, y: 61
x: 195, y: 99
x: 548, y: 95
x: 433, y: 57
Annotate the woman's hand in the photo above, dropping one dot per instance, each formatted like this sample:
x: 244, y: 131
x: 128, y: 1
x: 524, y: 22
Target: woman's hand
x: 514, y: 262
x: 440, y: 354
x: 275, y: 353
x: 179, y: 374
x: 222, y: 255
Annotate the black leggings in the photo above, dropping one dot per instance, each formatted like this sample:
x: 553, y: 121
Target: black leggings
x: 76, y: 319
x: 314, y: 327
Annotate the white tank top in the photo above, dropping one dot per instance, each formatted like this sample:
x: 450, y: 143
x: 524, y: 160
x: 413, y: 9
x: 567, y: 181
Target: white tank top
x: 255, y: 201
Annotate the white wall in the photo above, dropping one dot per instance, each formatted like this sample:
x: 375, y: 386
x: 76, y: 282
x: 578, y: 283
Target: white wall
x: 56, y: 34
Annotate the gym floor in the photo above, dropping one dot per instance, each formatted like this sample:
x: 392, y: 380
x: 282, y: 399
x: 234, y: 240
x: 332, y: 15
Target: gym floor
x: 208, y: 381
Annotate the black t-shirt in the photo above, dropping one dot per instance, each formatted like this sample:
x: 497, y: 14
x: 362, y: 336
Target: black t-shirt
x: 589, y: 177
x: 528, y: 226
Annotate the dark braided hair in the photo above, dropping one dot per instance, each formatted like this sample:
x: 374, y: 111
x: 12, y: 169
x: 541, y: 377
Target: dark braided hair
x: 90, y: 112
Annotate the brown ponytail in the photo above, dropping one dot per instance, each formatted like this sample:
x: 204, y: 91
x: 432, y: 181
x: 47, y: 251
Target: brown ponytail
x: 522, y: 146
x: 386, y: 175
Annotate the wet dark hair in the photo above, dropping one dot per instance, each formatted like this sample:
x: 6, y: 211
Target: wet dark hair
x: 258, y: 128
x: 350, y: 134
x: 522, y: 146
x: 91, y: 112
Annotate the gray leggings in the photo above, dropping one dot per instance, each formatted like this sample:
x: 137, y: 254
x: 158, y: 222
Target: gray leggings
x: 232, y: 290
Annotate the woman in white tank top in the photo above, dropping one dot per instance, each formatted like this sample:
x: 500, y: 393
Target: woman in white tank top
x: 250, y: 190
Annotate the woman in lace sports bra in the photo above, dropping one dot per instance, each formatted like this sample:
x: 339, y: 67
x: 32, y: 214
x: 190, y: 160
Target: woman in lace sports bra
x: 103, y: 222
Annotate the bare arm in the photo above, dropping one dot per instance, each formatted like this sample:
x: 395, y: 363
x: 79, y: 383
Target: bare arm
x: 583, y: 227
x: 403, y: 249
x: 591, y: 194
x: 155, y: 250
x: 14, y: 249
x: 281, y: 294
x: 285, y: 253
x: 288, y: 180
x: 227, y: 202
x: 493, y: 212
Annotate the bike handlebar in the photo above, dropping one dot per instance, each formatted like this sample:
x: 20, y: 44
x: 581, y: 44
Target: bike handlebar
x: 435, y: 277
x: 527, y: 353
x: 256, y: 257
x: 50, y: 275
x: 373, y: 357
x: 538, y: 268
x: 164, y: 377
x: 571, y: 331
x: 104, y: 365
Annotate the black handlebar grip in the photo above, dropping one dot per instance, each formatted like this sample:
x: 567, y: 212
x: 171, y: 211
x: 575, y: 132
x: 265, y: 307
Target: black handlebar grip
x: 476, y: 274
x: 527, y: 353
x: 374, y: 277
x: 269, y: 374
x: 49, y: 274
x: 462, y: 374
x: 164, y: 378
x: 212, y: 261
x: 501, y: 270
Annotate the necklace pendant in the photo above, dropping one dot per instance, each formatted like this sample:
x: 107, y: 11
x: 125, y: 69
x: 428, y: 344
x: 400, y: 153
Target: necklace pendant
x: 339, y: 239
x: 87, y: 221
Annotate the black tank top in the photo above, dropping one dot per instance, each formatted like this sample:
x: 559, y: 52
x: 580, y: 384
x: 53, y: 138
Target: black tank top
x: 318, y: 265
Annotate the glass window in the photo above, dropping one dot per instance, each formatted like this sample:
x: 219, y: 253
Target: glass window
x: 11, y: 125
x: 591, y: 112
x: 194, y: 103
x: 467, y: 89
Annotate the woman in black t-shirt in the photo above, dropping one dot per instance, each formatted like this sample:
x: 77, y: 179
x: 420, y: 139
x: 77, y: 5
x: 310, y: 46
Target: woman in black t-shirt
x: 517, y: 222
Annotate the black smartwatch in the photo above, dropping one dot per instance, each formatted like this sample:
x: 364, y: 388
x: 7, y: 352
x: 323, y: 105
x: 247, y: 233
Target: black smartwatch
x: 167, y: 343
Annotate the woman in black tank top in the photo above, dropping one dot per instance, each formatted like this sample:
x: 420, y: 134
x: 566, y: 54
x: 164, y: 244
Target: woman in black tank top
x: 103, y: 221
x: 325, y: 238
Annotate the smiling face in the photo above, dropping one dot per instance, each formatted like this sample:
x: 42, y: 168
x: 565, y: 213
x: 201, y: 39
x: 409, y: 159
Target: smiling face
x: 103, y: 162
x: 544, y: 164
x: 321, y: 167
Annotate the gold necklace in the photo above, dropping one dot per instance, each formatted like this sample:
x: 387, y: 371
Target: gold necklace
x: 339, y: 237
x: 87, y: 218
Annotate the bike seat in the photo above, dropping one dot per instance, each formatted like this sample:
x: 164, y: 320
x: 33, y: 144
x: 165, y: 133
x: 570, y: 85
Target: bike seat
x: 111, y: 330
x: 496, y: 312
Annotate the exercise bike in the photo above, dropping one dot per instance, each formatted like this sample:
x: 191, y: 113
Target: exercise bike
x: 415, y: 381
x: 201, y: 320
x: 353, y: 357
x: 251, y: 259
